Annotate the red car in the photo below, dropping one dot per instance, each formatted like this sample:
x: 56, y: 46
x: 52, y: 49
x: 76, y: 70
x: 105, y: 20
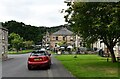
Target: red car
x: 39, y: 58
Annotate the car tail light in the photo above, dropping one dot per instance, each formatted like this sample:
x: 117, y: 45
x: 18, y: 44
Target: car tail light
x: 29, y: 59
x: 46, y: 58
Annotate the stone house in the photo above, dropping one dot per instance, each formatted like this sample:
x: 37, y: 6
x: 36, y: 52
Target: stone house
x: 62, y: 35
x: 3, y: 42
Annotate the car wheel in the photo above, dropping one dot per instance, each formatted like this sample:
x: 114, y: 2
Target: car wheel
x: 29, y: 67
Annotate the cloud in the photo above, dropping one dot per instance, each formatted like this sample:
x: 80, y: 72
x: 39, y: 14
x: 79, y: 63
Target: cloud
x: 34, y: 12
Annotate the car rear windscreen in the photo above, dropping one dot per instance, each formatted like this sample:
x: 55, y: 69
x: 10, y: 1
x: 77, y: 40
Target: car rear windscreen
x: 38, y: 53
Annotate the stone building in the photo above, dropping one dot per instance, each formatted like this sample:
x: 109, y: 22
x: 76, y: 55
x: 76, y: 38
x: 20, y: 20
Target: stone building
x: 63, y: 35
x: 3, y: 42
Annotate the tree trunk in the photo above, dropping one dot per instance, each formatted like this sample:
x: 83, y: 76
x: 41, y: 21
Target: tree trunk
x: 17, y: 50
x: 112, y: 54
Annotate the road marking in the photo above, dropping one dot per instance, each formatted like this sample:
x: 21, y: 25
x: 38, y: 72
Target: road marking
x: 50, y: 75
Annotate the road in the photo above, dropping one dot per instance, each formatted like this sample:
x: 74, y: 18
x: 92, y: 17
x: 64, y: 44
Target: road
x: 17, y: 67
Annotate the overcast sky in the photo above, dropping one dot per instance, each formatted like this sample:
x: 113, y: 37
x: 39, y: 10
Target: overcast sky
x: 33, y: 12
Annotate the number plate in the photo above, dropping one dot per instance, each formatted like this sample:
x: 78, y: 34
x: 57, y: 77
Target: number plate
x: 37, y: 59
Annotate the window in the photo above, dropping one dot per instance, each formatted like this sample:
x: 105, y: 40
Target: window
x: 47, y: 39
x: 38, y: 53
x: 100, y: 43
x: 55, y: 44
x: 63, y: 38
x: 56, y: 38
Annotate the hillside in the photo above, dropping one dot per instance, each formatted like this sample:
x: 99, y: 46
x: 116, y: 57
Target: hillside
x: 29, y: 32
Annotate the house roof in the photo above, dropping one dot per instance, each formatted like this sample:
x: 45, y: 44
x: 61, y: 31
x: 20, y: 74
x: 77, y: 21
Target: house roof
x: 63, y: 31
x: 1, y: 27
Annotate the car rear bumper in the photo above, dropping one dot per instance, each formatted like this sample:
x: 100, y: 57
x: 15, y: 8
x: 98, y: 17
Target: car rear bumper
x: 40, y: 64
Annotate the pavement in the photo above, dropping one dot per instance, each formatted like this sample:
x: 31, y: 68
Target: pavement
x: 16, y: 67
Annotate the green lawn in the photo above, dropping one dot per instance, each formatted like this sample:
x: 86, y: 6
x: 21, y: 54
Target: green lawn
x: 89, y: 66
x: 20, y: 52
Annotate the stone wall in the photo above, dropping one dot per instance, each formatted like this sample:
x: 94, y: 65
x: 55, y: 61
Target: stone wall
x: 0, y: 43
x: 3, y: 43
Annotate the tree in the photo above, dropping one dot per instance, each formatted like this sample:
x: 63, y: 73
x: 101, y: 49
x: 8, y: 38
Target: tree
x: 28, y: 44
x: 96, y: 20
x: 29, y: 32
x: 62, y: 43
x: 16, y: 41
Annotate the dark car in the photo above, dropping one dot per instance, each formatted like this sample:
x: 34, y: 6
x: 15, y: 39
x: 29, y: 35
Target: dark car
x: 39, y: 59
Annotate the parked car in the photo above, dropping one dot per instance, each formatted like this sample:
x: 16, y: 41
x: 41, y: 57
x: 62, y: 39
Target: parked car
x: 39, y: 59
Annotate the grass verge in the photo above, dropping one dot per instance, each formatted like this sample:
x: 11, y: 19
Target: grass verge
x: 20, y: 52
x: 89, y: 66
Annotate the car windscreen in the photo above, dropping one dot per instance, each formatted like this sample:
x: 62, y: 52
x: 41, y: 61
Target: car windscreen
x: 38, y: 53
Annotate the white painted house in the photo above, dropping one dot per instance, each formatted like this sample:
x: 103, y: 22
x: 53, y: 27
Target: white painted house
x: 101, y: 45
x: 3, y: 42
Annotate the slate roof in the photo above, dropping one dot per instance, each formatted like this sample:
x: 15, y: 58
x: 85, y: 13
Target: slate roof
x: 1, y: 27
x: 63, y: 31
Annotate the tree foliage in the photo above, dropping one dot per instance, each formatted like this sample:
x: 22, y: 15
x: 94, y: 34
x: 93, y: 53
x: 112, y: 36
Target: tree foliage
x: 28, y: 44
x: 96, y: 20
x: 29, y: 32
x: 16, y: 41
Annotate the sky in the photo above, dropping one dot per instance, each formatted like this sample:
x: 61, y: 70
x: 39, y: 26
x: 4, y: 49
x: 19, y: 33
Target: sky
x: 33, y: 12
